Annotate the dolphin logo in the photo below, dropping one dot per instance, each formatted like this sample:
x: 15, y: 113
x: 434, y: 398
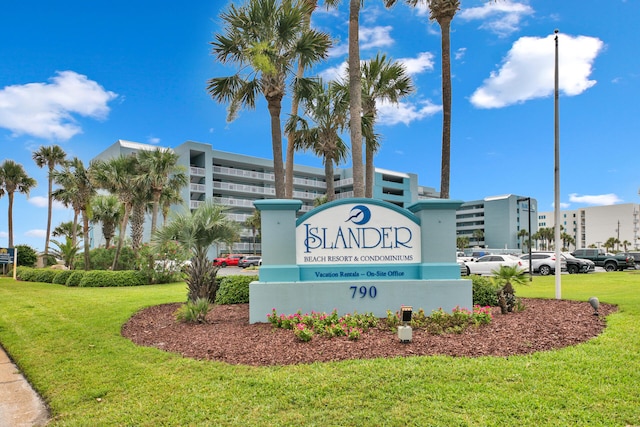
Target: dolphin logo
x: 359, y: 215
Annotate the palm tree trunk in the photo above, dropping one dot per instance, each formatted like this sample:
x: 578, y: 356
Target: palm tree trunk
x: 85, y: 228
x: 355, y: 98
x: 445, y: 24
x: 123, y: 230
x: 10, y: 214
x: 154, y: 214
x: 50, y: 208
x: 328, y: 174
x: 369, y: 172
x: 288, y: 187
x: 275, y: 106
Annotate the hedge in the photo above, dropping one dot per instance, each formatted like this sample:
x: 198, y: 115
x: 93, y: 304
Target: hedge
x: 234, y: 289
x: 105, y: 278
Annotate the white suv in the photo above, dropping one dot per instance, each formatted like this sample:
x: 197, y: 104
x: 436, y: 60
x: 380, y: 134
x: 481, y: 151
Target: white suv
x: 543, y: 262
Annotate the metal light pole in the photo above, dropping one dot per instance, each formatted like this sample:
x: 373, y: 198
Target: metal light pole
x: 557, y: 175
x: 528, y: 200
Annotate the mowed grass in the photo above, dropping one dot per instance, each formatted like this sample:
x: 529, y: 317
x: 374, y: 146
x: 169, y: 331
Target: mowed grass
x: 67, y: 342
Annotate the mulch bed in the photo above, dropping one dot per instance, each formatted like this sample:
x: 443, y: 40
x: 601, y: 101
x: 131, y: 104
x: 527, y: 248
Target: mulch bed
x: 228, y: 337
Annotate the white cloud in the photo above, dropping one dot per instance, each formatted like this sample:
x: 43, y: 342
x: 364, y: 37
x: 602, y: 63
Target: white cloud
x: 459, y: 54
x: 501, y: 18
x: 528, y: 70
x: 153, y: 140
x: 370, y: 38
x: 423, y: 62
x: 403, y: 112
x: 4, y: 235
x: 36, y: 233
x: 46, y: 110
x: 43, y: 202
x: 597, y: 200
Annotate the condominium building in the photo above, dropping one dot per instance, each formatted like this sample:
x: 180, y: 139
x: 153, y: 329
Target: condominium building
x: 593, y: 226
x: 236, y: 181
x: 495, y: 222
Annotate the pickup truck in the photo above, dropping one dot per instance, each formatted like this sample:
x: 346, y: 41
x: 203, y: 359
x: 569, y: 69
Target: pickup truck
x: 608, y: 261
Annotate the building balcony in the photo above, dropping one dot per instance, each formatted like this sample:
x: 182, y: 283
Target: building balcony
x: 193, y: 170
x: 241, y: 173
x: 197, y: 188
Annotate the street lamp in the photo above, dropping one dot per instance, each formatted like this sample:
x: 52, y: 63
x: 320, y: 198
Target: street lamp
x: 528, y: 200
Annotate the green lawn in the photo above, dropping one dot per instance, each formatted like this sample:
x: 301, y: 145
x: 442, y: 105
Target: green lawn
x: 67, y: 342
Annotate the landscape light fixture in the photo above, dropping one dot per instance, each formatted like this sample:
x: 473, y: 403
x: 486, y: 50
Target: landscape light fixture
x: 595, y: 304
x: 405, y: 333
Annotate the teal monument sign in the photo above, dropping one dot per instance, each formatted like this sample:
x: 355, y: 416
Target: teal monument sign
x: 359, y: 255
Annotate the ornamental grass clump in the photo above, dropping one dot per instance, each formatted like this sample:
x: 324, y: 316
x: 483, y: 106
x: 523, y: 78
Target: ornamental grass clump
x: 193, y: 311
x: 305, y: 326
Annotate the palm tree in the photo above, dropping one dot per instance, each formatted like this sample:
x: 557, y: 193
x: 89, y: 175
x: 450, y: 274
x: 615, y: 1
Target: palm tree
x: 66, y: 229
x: 355, y: 91
x: 50, y: 156
x: 462, y: 242
x: 14, y: 178
x: 196, y: 231
x: 159, y: 167
x: 254, y: 222
x: 266, y: 37
x: 288, y: 164
x: 478, y: 235
x: 116, y: 176
x: 107, y: 211
x: 65, y: 251
x: 77, y: 188
x: 508, y: 276
x: 521, y: 235
x: 382, y: 80
x: 326, y: 107
x: 170, y: 196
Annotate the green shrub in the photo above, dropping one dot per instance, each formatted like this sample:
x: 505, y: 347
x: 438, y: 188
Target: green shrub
x: 102, y: 259
x: 43, y: 275
x: 234, y: 289
x: 484, y: 291
x: 61, y: 277
x: 75, y: 278
x: 25, y: 273
x: 193, y: 312
x: 103, y: 278
x: 27, y: 256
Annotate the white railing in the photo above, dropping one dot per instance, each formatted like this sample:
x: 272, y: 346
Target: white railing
x: 243, y: 173
x: 200, y: 188
x: 197, y: 171
x: 243, y: 188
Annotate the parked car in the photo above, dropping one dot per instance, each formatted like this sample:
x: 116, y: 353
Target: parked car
x: 577, y: 265
x: 229, y: 260
x: 636, y: 257
x: 489, y: 264
x: 463, y: 268
x: 250, y: 261
x: 543, y: 262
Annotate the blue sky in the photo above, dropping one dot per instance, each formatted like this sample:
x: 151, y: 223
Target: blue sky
x: 85, y: 74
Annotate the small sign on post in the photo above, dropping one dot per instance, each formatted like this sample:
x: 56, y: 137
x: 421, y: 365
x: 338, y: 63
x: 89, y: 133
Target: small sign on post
x: 8, y: 256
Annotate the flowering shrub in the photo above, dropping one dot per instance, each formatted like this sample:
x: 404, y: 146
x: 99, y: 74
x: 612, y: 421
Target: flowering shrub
x: 305, y: 326
x: 302, y: 332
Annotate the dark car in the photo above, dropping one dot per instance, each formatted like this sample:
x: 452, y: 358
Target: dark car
x: 636, y: 258
x: 250, y: 261
x: 578, y: 265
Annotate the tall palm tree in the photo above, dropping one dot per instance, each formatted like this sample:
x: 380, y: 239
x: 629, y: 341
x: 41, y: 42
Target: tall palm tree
x: 355, y: 91
x: 76, y: 183
x: 288, y: 164
x: 382, y: 80
x: 159, y: 166
x: 14, y: 178
x: 51, y: 157
x: 171, y: 195
x: 116, y: 176
x: 265, y: 37
x: 196, y: 231
x: 326, y: 107
x: 254, y: 222
x: 107, y: 211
